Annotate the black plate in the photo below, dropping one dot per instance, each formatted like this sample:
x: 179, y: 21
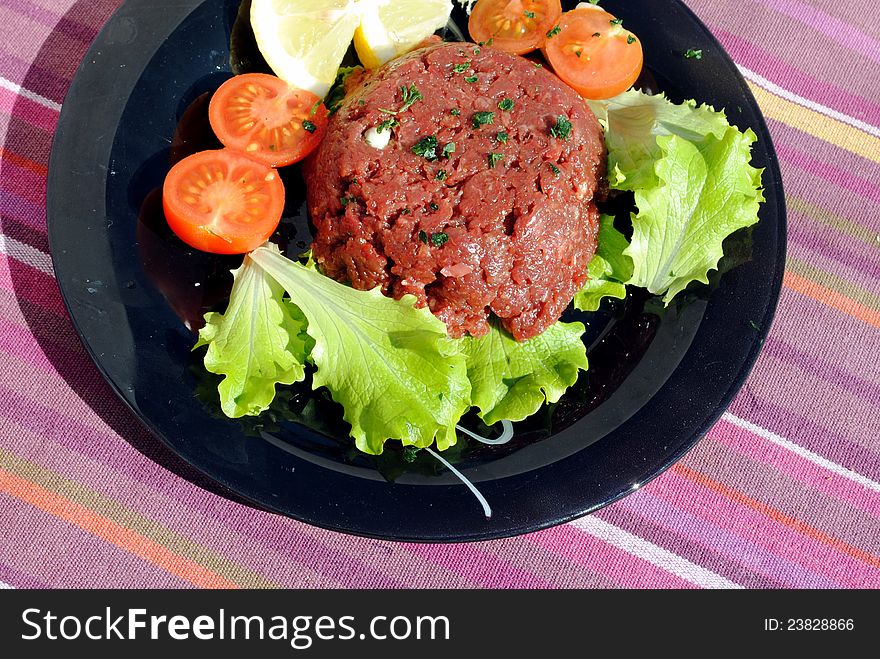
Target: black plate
x: 658, y: 380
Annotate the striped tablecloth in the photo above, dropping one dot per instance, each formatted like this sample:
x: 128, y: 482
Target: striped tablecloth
x: 784, y: 491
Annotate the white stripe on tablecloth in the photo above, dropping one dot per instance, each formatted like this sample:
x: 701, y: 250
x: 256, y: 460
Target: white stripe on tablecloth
x: 26, y: 254
x: 807, y: 103
x: 815, y: 458
x: 662, y: 558
x: 28, y: 94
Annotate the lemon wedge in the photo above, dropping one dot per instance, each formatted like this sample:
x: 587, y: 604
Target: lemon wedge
x: 304, y: 41
x: 391, y: 28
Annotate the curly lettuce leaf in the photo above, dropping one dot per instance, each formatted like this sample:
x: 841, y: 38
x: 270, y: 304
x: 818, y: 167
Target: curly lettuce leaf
x: 259, y: 342
x: 609, y: 270
x: 704, y: 193
x: 634, y: 120
x: 510, y: 379
x: 392, y: 367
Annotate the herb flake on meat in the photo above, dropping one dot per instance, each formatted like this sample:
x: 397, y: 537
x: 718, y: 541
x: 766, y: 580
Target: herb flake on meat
x: 506, y: 105
x: 494, y: 159
x: 439, y: 239
x: 410, y: 96
x: 562, y: 129
x: 552, y: 33
x: 388, y: 124
x: 461, y: 68
x: 502, y: 137
x: 483, y: 118
x: 471, y: 79
x: 426, y: 148
x: 309, y: 126
x: 448, y: 149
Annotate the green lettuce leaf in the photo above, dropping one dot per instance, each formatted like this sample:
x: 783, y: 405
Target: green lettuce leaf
x: 391, y: 366
x: 510, y: 380
x: 259, y: 342
x: 609, y: 270
x: 634, y: 120
x: 704, y: 192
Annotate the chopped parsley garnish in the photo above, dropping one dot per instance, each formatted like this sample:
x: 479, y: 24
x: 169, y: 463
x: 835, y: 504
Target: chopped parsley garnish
x: 597, y: 34
x: 345, y: 201
x: 471, y: 79
x: 309, y: 126
x: 490, y: 42
x: 694, y: 54
x: 483, y: 118
x: 442, y: 175
x: 562, y: 129
x: 530, y: 14
x: 494, y: 159
x: 410, y: 96
x: 461, y: 68
x: 616, y: 21
x: 552, y: 33
x: 477, y: 51
x: 506, y: 105
x: 630, y: 38
x: 578, y: 52
x: 315, y: 108
x: 426, y: 147
x: 434, y: 207
x: 455, y: 112
x: 502, y: 137
x: 538, y: 65
x: 554, y: 169
x: 388, y: 124
x: 423, y: 237
x: 405, y: 211
x: 448, y: 149
x: 439, y: 239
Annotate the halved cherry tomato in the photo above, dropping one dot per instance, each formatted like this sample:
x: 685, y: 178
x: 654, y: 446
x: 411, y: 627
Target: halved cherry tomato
x: 514, y: 26
x: 267, y: 119
x: 592, y: 52
x: 222, y: 201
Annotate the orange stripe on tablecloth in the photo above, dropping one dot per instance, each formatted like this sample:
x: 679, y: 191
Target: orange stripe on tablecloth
x: 24, y: 163
x: 132, y: 542
x: 776, y: 515
x: 831, y: 298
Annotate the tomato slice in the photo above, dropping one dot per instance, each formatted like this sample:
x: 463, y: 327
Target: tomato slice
x: 267, y: 119
x: 514, y: 26
x: 222, y: 201
x: 594, y: 53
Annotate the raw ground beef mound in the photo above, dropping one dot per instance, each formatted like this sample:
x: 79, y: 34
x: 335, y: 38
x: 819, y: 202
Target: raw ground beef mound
x: 463, y: 236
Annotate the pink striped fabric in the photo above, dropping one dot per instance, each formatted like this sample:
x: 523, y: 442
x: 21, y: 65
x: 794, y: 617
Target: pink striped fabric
x: 783, y: 492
